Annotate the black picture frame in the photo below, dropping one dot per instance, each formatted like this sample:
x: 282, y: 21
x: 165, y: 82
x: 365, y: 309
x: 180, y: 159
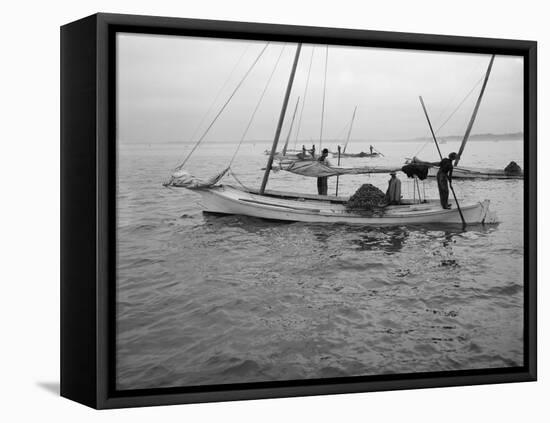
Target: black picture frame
x: 88, y: 209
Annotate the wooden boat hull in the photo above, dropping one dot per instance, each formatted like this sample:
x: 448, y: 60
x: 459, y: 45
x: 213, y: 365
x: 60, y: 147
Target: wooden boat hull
x: 289, y: 156
x: 289, y: 153
x: 476, y: 173
x: 360, y: 155
x: 226, y: 199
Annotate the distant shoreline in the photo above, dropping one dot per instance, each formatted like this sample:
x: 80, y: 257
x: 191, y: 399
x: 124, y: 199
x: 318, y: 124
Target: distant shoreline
x: 516, y: 136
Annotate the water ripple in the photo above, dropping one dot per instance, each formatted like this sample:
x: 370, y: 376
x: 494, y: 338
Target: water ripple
x: 205, y: 299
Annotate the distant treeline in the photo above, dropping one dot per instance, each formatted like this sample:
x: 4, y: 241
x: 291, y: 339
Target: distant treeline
x: 448, y: 138
x: 331, y: 142
x: 475, y: 137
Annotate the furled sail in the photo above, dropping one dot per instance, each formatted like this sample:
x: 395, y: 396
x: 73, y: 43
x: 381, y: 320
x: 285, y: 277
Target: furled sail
x: 183, y: 179
x: 316, y: 169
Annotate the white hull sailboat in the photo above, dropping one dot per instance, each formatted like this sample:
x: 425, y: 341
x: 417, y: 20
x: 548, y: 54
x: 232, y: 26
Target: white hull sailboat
x: 295, y: 207
x: 362, y: 154
x: 356, y: 155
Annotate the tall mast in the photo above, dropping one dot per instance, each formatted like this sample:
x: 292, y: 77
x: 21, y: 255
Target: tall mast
x: 323, y: 106
x: 349, y: 132
x: 474, y: 114
x: 281, y: 119
x: 291, y: 125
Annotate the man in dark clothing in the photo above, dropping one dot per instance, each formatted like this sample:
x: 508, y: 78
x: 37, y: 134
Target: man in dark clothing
x: 322, y: 181
x: 393, y: 193
x: 444, y: 178
x: 303, y: 154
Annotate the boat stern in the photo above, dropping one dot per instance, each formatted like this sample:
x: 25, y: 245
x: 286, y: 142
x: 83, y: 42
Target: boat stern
x: 487, y: 216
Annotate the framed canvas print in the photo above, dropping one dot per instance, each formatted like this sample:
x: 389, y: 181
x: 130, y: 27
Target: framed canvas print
x: 254, y: 211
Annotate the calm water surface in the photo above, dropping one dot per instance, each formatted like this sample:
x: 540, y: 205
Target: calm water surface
x: 205, y: 299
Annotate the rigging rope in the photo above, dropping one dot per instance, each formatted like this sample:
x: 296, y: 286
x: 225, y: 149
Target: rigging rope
x: 222, y: 108
x: 238, y: 180
x: 291, y: 127
x: 323, y: 107
x: 450, y: 116
x: 341, y: 133
x: 257, y: 106
x: 475, y: 70
x: 305, y: 97
x: 460, y: 104
x: 237, y: 63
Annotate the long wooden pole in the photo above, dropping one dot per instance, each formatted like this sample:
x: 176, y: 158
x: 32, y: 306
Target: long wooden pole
x: 281, y: 119
x: 338, y: 176
x: 474, y: 114
x: 376, y: 151
x: 350, y: 127
x: 291, y: 125
x: 441, y: 157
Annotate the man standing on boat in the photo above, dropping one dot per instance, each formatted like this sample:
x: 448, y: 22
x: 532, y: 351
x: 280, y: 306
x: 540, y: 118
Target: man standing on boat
x: 303, y: 154
x: 444, y: 178
x: 393, y: 194
x: 322, y: 181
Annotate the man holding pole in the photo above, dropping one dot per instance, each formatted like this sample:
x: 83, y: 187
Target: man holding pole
x: 445, y: 174
x: 444, y: 177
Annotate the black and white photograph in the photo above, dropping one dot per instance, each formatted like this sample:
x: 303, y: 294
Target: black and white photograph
x: 295, y: 211
x: 266, y: 212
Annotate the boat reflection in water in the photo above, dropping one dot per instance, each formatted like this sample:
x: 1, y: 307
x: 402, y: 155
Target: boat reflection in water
x: 390, y: 241
x: 438, y: 240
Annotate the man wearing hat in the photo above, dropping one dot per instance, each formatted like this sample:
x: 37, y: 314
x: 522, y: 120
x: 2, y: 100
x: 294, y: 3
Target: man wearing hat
x: 393, y: 193
x: 444, y: 178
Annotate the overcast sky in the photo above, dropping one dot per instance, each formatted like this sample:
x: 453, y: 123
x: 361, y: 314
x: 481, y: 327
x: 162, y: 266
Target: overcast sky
x: 167, y: 84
